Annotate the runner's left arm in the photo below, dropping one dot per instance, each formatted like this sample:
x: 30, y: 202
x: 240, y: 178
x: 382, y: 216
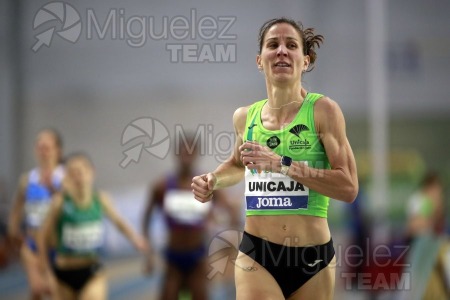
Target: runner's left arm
x: 137, y: 240
x: 48, y: 231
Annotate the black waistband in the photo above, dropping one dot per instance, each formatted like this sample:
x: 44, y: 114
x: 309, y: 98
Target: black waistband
x: 268, y: 253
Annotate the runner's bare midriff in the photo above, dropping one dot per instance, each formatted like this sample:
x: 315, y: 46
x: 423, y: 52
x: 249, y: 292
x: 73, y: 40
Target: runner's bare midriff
x: 185, y: 239
x: 290, y: 230
x: 71, y: 262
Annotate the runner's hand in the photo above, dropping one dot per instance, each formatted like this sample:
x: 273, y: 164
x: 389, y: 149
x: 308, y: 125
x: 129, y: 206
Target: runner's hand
x: 259, y: 157
x: 203, y: 186
x: 141, y: 244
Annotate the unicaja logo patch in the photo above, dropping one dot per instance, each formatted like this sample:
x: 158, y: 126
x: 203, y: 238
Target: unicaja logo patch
x: 300, y: 143
x: 297, y: 129
x: 62, y: 13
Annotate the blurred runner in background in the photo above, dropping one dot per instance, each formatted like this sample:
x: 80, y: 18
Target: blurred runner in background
x: 75, y: 221
x: 426, y: 211
x: 187, y: 220
x: 32, y: 201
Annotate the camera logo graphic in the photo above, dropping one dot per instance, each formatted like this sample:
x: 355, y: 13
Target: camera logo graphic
x: 148, y: 134
x: 69, y: 27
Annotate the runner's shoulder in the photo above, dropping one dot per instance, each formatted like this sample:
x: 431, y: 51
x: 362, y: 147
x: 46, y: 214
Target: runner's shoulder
x: 326, y: 107
x: 23, y: 180
x: 240, y: 116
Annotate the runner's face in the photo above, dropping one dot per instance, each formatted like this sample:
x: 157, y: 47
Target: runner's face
x: 80, y: 173
x: 281, y: 56
x: 46, y: 149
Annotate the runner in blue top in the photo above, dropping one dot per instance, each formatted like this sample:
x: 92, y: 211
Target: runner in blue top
x: 31, y: 204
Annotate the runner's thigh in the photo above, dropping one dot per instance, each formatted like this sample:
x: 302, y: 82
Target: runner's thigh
x: 253, y: 281
x: 96, y: 288
x: 320, y: 286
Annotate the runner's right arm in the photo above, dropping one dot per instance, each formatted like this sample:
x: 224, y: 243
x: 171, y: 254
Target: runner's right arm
x: 156, y: 194
x: 17, y: 212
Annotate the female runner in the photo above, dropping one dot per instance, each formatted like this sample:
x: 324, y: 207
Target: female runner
x: 293, y: 151
x: 75, y: 222
x: 32, y: 202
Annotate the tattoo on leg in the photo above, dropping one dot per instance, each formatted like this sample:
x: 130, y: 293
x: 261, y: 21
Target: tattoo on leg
x: 247, y: 269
